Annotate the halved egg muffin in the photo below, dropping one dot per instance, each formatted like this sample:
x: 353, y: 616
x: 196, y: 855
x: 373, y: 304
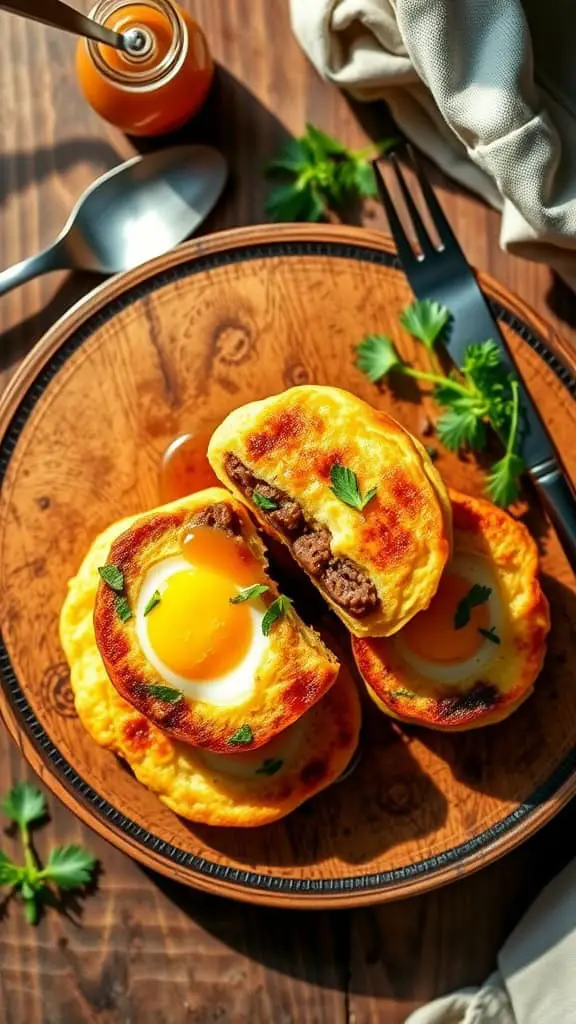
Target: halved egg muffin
x: 241, y: 789
x: 193, y: 633
x: 352, y: 494
x: 472, y: 658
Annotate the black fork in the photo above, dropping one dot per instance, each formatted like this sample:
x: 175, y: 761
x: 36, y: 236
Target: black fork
x: 443, y: 274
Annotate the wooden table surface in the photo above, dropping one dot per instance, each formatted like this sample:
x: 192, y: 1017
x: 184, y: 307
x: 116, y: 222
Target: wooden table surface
x: 140, y: 948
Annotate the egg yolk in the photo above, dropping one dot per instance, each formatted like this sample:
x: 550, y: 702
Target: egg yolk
x: 195, y: 630
x: 432, y: 634
x: 209, y: 548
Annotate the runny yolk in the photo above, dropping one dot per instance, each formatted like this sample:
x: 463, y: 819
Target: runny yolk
x: 195, y: 630
x: 432, y: 634
x: 209, y: 548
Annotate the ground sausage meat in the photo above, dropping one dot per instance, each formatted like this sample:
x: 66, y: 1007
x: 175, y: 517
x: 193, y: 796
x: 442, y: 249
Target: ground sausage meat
x: 344, y: 581
x: 219, y: 517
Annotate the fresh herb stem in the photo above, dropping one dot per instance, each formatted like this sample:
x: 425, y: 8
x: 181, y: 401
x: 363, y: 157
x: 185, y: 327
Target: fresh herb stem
x: 514, y: 419
x: 434, y: 378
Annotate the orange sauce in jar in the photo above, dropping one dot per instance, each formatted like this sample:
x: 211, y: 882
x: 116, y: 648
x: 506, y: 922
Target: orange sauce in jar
x: 157, y: 88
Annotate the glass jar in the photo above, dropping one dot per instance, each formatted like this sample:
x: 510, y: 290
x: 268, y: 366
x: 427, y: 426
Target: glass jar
x: 162, y: 82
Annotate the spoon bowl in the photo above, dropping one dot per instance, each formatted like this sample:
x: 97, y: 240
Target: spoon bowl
x: 133, y: 213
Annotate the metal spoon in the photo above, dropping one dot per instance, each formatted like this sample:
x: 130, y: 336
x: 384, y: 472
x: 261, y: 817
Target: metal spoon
x: 60, y: 15
x: 136, y: 211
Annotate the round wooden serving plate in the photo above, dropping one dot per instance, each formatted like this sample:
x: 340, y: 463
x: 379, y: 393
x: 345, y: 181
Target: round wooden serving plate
x: 171, y: 348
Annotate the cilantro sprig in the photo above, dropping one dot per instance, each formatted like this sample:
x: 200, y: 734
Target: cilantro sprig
x: 484, y: 393
x: 67, y: 867
x: 321, y: 175
x: 256, y: 590
x: 344, y: 484
x: 476, y: 596
x: 281, y: 606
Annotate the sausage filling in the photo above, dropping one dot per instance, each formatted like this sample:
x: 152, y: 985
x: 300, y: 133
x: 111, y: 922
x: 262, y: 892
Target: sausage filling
x: 345, y: 582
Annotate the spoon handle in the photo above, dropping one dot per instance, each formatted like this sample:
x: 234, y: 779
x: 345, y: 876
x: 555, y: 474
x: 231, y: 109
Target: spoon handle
x: 60, y: 15
x: 53, y: 258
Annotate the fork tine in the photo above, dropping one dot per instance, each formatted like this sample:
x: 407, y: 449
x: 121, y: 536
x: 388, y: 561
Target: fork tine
x: 403, y: 246
x: 445, y: 233
x: 417, y: 223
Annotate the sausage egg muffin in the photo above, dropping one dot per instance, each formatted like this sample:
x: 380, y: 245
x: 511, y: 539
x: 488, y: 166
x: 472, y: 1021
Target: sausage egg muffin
x: 241, y: 789
x: 352, y: 494
x: 194, y: 634
x: 472, y: 658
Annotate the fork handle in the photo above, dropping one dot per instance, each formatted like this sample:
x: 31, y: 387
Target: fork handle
x: 561, y: 504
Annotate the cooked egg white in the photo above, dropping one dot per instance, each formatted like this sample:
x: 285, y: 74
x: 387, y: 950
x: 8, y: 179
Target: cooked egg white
x: 189, y: 641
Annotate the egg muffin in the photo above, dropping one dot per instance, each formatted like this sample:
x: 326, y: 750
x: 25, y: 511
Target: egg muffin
x: 472, y: 658
x: 240, y: 789
x: 352, y: 494
x: 194, y: 634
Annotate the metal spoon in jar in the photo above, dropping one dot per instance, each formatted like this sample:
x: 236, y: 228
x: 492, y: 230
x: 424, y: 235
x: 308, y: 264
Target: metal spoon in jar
x: 59, y: 15
x: 136, y: 211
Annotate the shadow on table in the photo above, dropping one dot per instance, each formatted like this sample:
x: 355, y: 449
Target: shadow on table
x: 233, y: 120
x: 18, y: 171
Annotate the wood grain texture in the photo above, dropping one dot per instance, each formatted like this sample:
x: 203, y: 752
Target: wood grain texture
x: 216, y: 960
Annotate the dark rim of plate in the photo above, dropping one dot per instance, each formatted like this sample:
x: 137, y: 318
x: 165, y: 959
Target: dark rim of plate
x: 42, y: 741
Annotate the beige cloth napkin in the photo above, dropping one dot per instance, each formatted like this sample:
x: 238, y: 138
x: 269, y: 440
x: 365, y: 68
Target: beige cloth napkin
x: 536, y: 978
x: 487, y: 88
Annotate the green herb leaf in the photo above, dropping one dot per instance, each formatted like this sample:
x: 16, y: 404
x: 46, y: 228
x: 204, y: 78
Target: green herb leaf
x: 365, y: 180
x: 402, y: 692
x: 459, y: 427
x: 24, y: 804
x: 503, y: 482
x: 281, y: 606
x: 167, y: 694
x: 113, y: 576
x: 154, y: 600
x: 290, y: 203
x: 70, y: 867
x: 270, y: 767
x: 249, y: 592
x: 263, y: 502
x: 31, y: 909
x: 294, y: 156
x: 490, y: 634
x: 426, y: 321
x: 242, y: 737
x: 477, y: 595
x: 345, y: 486
x: 325, y: 144
x: 9, y: 872
x: 376, y: 356
x: 123, y: 610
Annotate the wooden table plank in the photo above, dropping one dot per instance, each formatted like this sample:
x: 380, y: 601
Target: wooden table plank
x: 142, y: 949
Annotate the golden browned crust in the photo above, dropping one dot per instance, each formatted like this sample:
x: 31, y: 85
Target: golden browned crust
x: 401, y: 540
x: 295, y: 671
x: 484, y: 530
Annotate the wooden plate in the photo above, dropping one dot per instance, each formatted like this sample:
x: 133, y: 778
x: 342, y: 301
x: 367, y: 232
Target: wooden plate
x: 171, y: 348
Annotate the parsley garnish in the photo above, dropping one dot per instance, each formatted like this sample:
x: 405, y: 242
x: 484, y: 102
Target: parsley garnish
x: 281, y: 606
x: 345, y: 486
x: 113, y: 576
x: 490, y: 634
x: 270, y: 766
x: 67, y: 867
x: 321, y: 174
x: 167, y: 694
x: 484, y: 393
x: 154, y: 600
x: 476, y: 595
x: 123, y: 608
x: 261, y: 501
x: 249, y: 592
x: 242, y: 736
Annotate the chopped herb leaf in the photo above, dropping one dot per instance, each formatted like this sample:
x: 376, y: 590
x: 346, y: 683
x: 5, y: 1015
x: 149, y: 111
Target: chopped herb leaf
x: 242, y: 736
x: 249, y: 592
x: 261, y: 501
x: 270, y: 766
x: 167, y: 694
x: 154, y: 600
x: 281, y: 606
x: 70, y: 867
x: 24, y: 803
x: 113, y: 576
x: 345, y: 486
x: 490, y: 634
x: 123, y: 608
x: 476, y: 595
x: 401, y: 692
